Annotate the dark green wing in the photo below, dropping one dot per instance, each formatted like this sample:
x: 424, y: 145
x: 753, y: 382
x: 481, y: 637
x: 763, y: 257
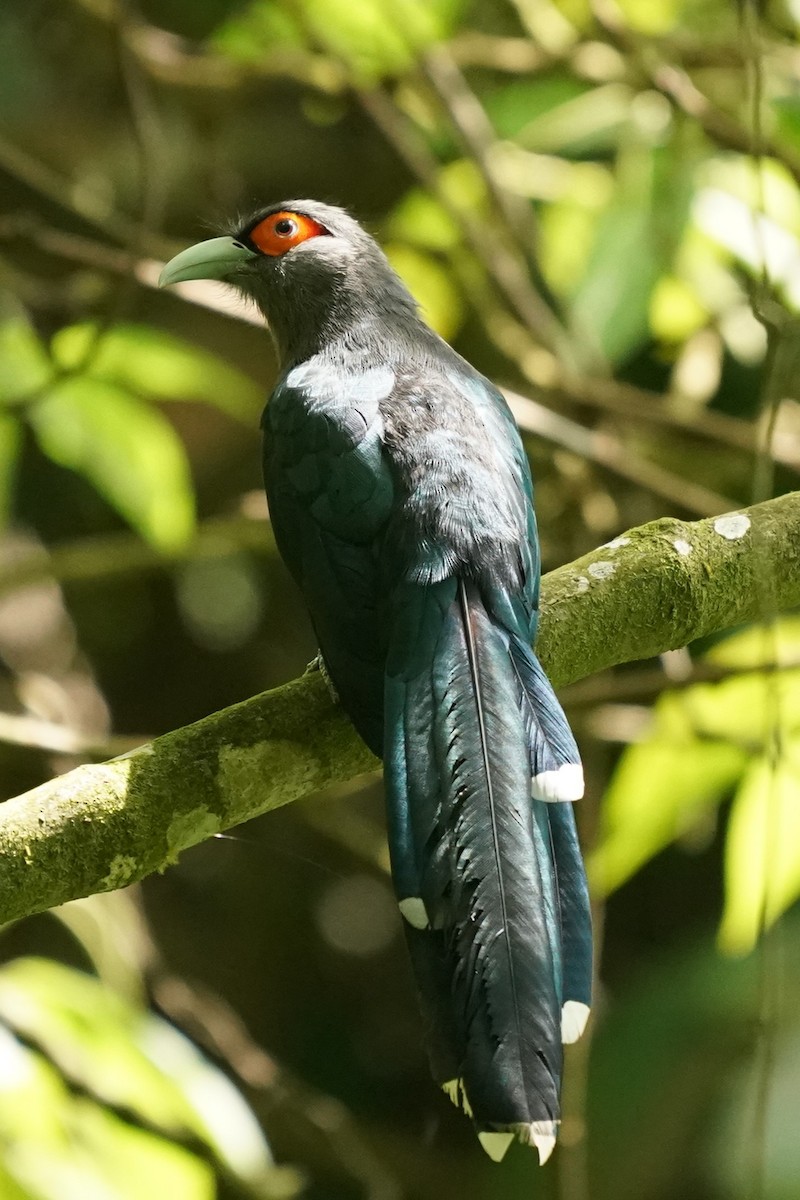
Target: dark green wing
x: 330, y: 493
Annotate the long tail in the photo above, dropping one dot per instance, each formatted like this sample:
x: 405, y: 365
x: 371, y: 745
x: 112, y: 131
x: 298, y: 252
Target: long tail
x: 487, y: 873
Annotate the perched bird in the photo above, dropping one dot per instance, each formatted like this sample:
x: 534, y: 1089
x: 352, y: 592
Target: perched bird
x: 402, y: 503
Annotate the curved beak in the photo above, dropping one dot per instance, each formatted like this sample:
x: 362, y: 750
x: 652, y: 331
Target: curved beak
x: 215, y: 259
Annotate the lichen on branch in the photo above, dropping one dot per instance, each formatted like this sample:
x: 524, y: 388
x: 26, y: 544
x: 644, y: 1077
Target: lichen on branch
x: 656, y: 588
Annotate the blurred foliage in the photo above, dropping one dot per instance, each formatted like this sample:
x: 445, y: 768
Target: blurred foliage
x: 707, y: 740
x: 569, y: 187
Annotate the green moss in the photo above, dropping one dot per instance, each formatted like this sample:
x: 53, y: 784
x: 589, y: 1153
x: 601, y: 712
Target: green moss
x: 188, y: 829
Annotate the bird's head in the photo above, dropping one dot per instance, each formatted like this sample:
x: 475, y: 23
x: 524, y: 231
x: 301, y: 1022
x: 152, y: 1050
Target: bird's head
x: 313, y: 271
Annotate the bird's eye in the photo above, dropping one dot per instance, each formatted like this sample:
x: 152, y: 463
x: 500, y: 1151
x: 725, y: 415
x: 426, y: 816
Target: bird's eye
x: 282, y: 231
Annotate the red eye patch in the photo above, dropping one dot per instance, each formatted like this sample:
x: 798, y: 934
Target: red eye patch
x: 282, y: 231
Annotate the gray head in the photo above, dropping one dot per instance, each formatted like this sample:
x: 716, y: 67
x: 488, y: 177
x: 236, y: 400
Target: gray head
x: 316, y: 275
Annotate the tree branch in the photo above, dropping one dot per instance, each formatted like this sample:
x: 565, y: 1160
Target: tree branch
x: 103, y: 826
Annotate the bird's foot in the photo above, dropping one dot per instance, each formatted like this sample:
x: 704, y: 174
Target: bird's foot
x: 318, y: 664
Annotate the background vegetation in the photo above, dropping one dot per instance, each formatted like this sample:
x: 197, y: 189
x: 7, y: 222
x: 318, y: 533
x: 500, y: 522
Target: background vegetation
x: 598, y: 203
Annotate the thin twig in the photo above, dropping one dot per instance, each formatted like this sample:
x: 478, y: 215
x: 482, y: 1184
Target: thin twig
x: 51, y: 738
x: 509, y: 274
x: 478, y: 138
x: 655, y: 63
x: 213, y: 1024
x: 646, y: 683
x: 109, y: 556
x: 609, y: 451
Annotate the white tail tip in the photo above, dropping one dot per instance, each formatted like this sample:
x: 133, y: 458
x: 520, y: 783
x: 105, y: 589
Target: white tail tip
x: 496, y: 1144
x: 414, y: 911
x: 454, y: 1090
x: 542, y: 1135
x: 563, y: 784
x: 574, y: 1016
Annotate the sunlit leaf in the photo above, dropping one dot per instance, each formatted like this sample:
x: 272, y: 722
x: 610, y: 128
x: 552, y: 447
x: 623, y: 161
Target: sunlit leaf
x: 93, y: 1036
x: 440, y: 302
x: 675, y: 310
x: 120, y: 1055
x: 61, y: 1146
x: 372, y: 38
x: 134, y: 1162
x: 704, y: 739
x: 635, y: 241
x: 462, y: 183
x: 257, y: 28
x: 757, y: 242
x: 422, y: 221
x: 515, y: 105
x: 24, y: 365
x: 746, y: 708
x: 766, y: 187
x: 787, y: 114
x: 750, y: 707
x: 126, y: 448
x: 149, y: 362
x: 776, y: 644
x: 11, y: 1189
x: 660, y: 789
x: 567, y: 233
x: 657, y: 16
x: 762, y: 850
x: 585, y: 123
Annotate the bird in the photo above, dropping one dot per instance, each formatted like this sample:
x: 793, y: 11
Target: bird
x: 401, y: 500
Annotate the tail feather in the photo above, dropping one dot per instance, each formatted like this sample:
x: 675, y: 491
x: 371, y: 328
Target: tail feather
x: 556, y: 772
x: 493, y: 909
x: 557, y: 776
x: 507, y: 973
x: 576, y: 921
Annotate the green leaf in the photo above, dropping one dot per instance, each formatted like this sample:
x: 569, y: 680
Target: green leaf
x: 440, y: 302
x: 703, y: 743
x: 372, y: 39
x: 655, y: 17
x: 564, y: 117
x: 515, y: 106
x: 635, y: 241
x: 109, y: 1154
x: 59, y: 1146
x: 122, y: 1056
x: 676, y: 311
x: 24, y: 365
x: 660, y: 789
x: 93, y: 1036
x: 149, y: 362
x: 422, y: 221
x: 126, y: 448
x: 776, y: 644
x: 260, y: 28
x: 762, y: 850
x: 750, y: 708
x: 787, y: 119
x: 567, y: 229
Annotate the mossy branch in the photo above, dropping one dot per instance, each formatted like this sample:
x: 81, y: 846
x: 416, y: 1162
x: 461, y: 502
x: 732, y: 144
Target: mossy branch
x: 103, y: 826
